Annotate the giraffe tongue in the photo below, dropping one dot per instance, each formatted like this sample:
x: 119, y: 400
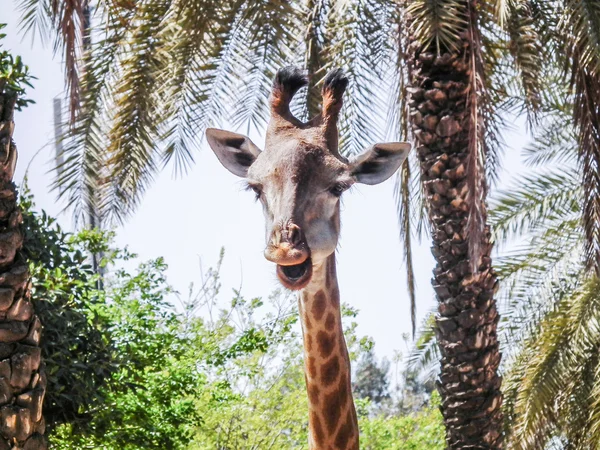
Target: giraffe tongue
x: 297, y: 276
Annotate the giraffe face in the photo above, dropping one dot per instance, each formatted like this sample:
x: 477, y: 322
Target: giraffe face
x: 299, y: 186
x: 300, y: 177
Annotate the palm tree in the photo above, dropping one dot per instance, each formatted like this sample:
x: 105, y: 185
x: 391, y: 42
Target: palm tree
x: 160, y: 70
x: 450, y: 67
x: 547, y: 298
x: 22, y: 378
x: 449, y: 109
x: 549, y: 331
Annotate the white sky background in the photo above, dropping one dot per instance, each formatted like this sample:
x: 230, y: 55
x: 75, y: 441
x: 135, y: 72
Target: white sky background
x: 189, y: 219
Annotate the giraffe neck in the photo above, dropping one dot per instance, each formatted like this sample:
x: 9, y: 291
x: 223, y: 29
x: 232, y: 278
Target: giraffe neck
x: 332, y: 421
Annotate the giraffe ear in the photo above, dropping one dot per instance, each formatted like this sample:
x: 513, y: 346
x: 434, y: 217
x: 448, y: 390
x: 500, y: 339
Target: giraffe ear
x: 379, y: 162
x: 235, y: 151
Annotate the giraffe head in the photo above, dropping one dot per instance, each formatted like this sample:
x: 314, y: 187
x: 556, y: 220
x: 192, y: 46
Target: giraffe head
x: 300, y: 176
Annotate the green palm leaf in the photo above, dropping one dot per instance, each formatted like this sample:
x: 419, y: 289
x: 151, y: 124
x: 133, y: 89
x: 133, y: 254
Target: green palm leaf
x: 558, y: 375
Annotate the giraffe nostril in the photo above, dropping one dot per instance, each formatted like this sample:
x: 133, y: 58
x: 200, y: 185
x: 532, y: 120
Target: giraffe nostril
x: 287, y: 245
x: 294, y: 234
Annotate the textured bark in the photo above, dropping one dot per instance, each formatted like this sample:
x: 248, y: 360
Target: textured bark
x: 22, y: 378
x: 467, y: 317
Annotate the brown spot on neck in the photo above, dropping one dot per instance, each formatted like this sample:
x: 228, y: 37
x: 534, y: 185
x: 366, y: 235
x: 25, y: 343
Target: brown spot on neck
x: 330, y: 274
x: 333, y: 405
x: 316, y: 428
x: 330, y: 371
x: 312, y: 367
x: 326, y: 343
x: 313, y: 393
x: 307, y: 322
x: 330, y: 322
x: 345, y: 432
x: 319, y: 305
x: 334, y: 297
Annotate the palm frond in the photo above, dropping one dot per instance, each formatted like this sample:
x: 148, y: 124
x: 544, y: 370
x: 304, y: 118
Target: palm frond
x: 594, y: 408
x: 529, y: 56
x: 540, y: 198
x: 359, y: 41
x: 576, y: 401
x: 580, y: 25
x: 557, y: 379
x: 542, y: 214
x: 580, y: 28
x: 191, y: 52
x: 543, y: 430
x: 529, y: 26
x: 82, y: 176
x: 407, y: 189
x: 494, y: 98
x: 216, y: 85
x: 479, y: 111
x: 36, y: 18
x: 268, y: 32
x: 425, y: 356
x: 438, y: 23
x: 528, y: 275
x: 502, y: 10
x: 72, y: 18
x: 587, y: 118
x: 134, y: 131
x: 555, y: 142
x: 70, y: 22
x: 314, y: 59
x: 397, y: 116
x: 589, y: 144
x: 525, y: 299
x: 405, y: 202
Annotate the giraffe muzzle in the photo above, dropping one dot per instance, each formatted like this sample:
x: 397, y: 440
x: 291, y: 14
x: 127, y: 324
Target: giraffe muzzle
x: 287, y: 246
x: 288, y: 249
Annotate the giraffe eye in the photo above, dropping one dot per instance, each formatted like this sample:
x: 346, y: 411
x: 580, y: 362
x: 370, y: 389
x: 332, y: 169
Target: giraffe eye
x: 256, y: 189
x: 338, y: 189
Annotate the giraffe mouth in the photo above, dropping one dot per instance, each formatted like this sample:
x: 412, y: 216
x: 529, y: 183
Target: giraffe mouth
x: 296, y: 276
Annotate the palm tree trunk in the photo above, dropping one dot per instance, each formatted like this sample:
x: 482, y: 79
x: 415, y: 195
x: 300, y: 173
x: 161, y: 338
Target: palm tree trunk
x: 467, y: 318
x: 22, y: 378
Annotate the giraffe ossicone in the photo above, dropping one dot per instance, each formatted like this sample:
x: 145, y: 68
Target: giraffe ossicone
x: 299, y: 179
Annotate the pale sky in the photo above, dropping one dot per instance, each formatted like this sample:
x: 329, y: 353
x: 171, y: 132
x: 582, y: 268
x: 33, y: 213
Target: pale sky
x: 189, y: 219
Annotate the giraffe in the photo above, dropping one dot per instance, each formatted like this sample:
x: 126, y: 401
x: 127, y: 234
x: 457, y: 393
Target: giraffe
x: 299, y: 179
